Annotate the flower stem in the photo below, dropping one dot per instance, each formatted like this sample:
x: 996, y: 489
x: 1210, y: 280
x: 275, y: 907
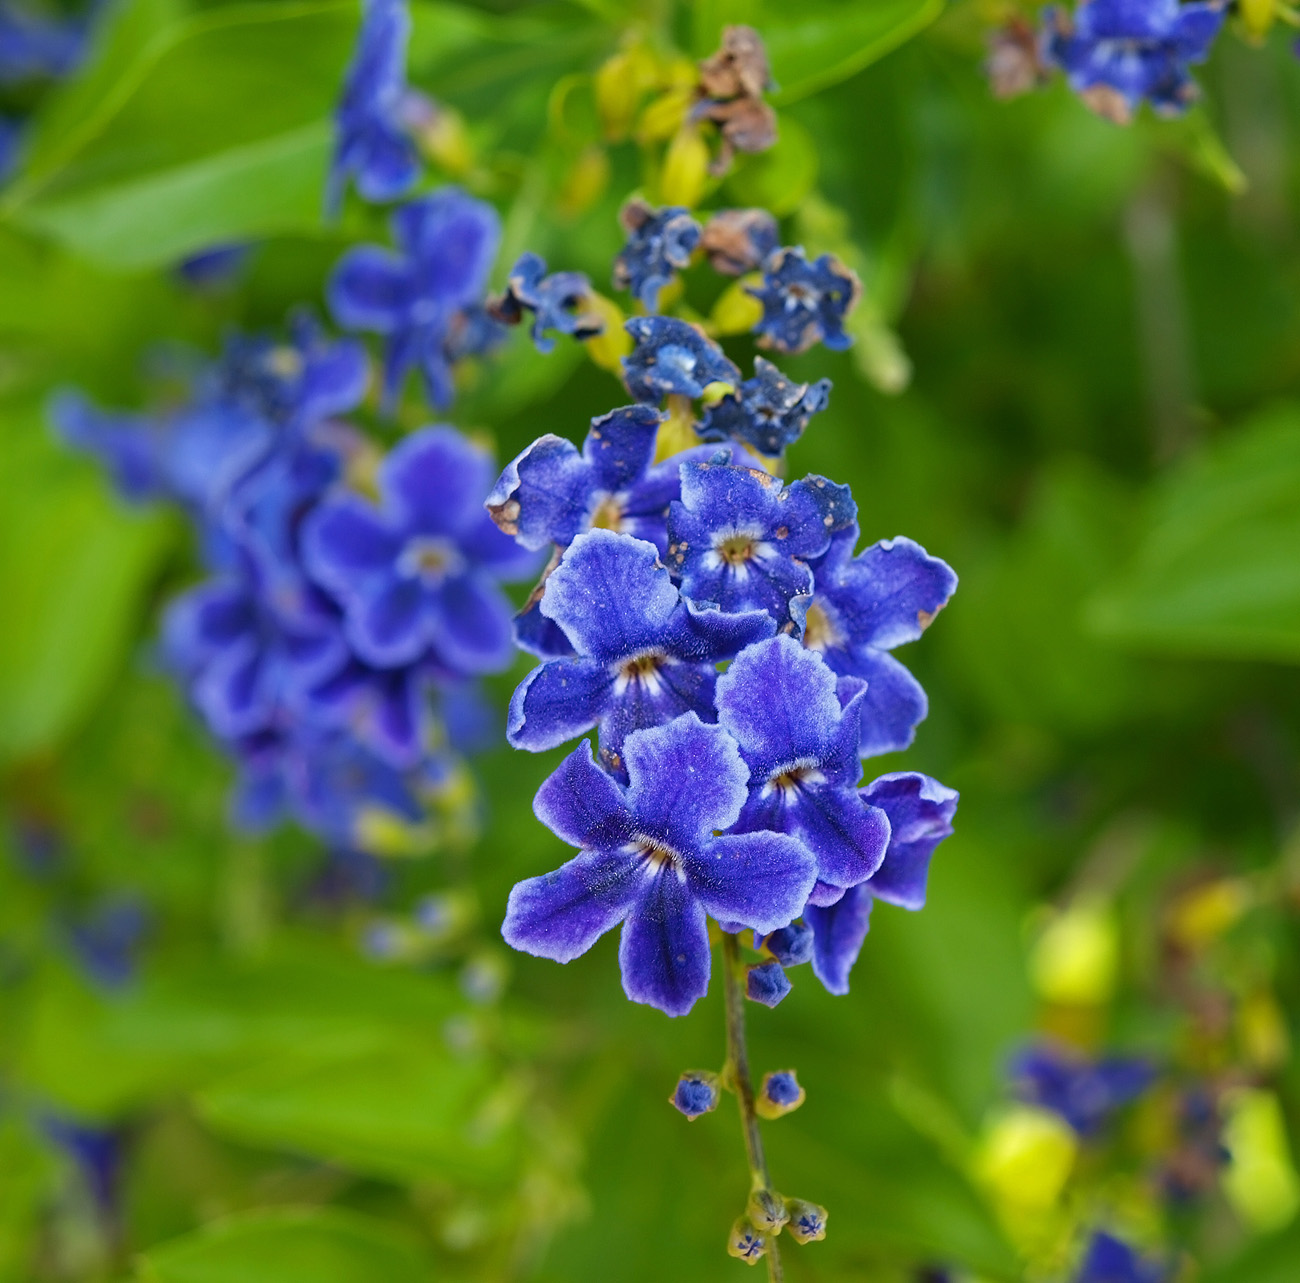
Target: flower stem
x: 735, y: 1074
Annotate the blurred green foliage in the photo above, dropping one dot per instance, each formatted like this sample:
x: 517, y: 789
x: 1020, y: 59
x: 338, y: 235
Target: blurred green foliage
x: 1100, y: 435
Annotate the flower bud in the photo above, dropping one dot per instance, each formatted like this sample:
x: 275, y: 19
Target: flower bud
x: 696, y: 1093
x: 766, y: 982
x: 746, y: 1243
x: 766, y: 1211
x: 779, y: 1094
x: 791, y: 945
x: 806, y: 1221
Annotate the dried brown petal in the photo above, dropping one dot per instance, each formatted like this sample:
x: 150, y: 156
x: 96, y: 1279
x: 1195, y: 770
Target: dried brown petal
x: 739, y: 68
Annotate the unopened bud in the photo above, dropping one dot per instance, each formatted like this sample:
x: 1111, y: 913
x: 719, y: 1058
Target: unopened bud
x: 766, y: 1211
x: 779, y: 1094
x: 791, y: 945
x: 696, y: 1093
x: 746, y: 1243
x: 806, y: 1221
x: 766, y: 982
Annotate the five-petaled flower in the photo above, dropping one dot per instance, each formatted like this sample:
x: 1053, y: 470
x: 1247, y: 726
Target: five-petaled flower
x: 739, y: 538
x: 865, y: 606
x: 417, y: 576
x: 560, y: 301
x: 418, y: 295
x: 768, y: 412
x: 804, y: 303
x: 673, y: 358
x: 651, y: 859
x: 643, y: 653
x: 659, y: 242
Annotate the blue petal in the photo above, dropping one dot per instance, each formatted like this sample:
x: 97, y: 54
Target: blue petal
x: 582, y: 805
x: 467, y: 625
x: 894, y: 704
x: 537, y: 635
x: 370, y: 289
x: 452, y: 238
x: 385, y: 622
x: 838, y: 933
x: 848, y: 836
x: 348, y: 547
x: 920, y: 812
x: 201, y: 623
x: 664, y: 950
x: 621, y: 445
x: 239, y: 691
x: 544, y: 495
x: 434, y: 480
x: 760, y: 880
x: 557, y: 701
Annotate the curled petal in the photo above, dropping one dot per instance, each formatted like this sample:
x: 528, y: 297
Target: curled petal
x: 920, y: 811
x: 557, y: 701
x: 838, y: 933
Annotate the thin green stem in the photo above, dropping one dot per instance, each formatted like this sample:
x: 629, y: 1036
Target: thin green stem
x: 735, y: 1073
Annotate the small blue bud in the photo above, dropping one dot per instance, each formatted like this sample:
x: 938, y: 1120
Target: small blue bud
x: 746, y: 1243
x: 696, y: 1093
x: 807, y: 1221
x: 779, y: 1094
x: 791, y: 945
x: 767, y: 983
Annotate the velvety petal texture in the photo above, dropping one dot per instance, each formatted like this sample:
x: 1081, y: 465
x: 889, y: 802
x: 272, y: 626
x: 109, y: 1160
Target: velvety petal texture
x: 672, y: 356
x: 920, y: 812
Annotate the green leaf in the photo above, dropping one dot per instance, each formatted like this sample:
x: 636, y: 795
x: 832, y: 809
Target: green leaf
x: 289, y: 1246
x: 1217, y: 572
x: 218, y: 130
x: 779, y: 179
x: 813, y: 46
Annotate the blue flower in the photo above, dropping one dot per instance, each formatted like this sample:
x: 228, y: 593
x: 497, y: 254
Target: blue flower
x: 33, y: 47
x: 1084, y: 1093
x: 650, y: 860
x: 695, y: 1094
x: 768, y: 412
x: 659, y: 242
x: 413, y: 296
x: 779, y: 1094
x: 807, y: 1224
x: 417, y: 576
x: 920, y: 812
x: 129, y: 446
x: 643, y: 654
x: 557, y: 302
x: 804, y: 303
x: 739, y: 240
x: 779, y: 703
x: 862, y: 608
x: 1110, y: 1260
x: 97, y: 1153
x: 371, y: 144
x: 672, y: 357
x: 388, y: 710
x: 766, y: 982
x: 1115, y: 53
x: 739, y: 538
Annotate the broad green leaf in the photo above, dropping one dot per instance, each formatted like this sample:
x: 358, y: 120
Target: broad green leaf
x: 814, y: 45
x: 1274, y: 1258
x: 1217, y: 572
x: 307, y: 1245
x: 218, y: 130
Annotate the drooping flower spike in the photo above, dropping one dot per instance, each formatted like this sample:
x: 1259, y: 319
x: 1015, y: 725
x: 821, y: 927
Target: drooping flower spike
x: 673, y: 358
x: 804, y: 303
x: 417, y: 295
x: 643, y: 654
x: 739, y: 538
x: 767, y: 413
x: 558, y: 302
x: 659, y: 243
x: 651, y: 861
x: 862, y: 608
x: 417, y: 576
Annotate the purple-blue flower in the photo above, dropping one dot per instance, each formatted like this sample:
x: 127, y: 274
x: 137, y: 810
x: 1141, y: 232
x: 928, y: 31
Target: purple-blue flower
x: 739, y: 538
x: 790, y: 945
x: 672, y: 357
x: 862, y: 608
x: 804, y: 303
x: 643, y: 654
x: 650, y: 859
x: 779, y: 703
x: 1115, y: 53
x: 1110, y: 1260
x: 695, y: 1094
x: 417, y: 575
x: 1083, y: 1092
x: 413, y: 295
x: 659, y: 243
x: 33, y: 46
x: 557, y: 302
x: 372, y: 147
x: 768, y: 412
x: 920, y: 812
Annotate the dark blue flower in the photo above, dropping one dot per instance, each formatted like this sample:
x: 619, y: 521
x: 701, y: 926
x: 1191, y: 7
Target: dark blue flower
x: 1115, y: 53
x: 779, y: 702
x: 862, y: 608
x: 417, y: 576
x: 804, y: 303
x: 739, y: 538
x: 920, y: 812
x: 557, y: 302
x: 643, y: 654
x: 1110, y: 1260
x: 388, y: 710
x: 371, y: 144
x: 779, y: 1094
x: 215, y: 267
x: 672, y: 357
x: 105, y: 941
x: 650, y: 860
x: 413, y: 295
x: 766, y: 982
x: 33, y: 46
x: 768, y: 412
x: 1085, y: 1093
x: 739, y: 240
x: 659, y: 242
x: 695, y: 1094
